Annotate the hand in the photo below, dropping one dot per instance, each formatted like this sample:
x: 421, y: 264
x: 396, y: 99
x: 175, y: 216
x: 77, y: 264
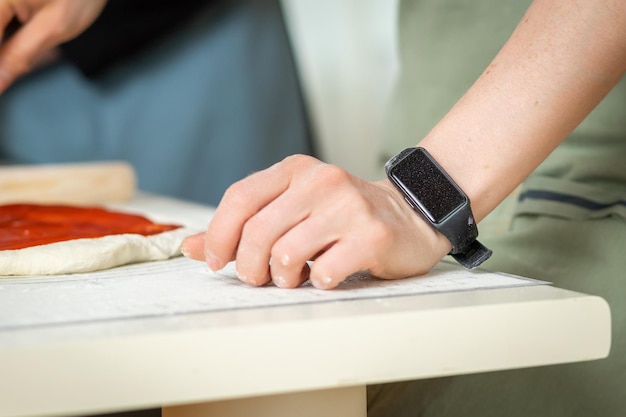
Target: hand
x: 301, y: 209
x: 45, y: 24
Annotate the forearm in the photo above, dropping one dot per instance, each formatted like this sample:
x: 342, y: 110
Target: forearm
x: 563, y: 58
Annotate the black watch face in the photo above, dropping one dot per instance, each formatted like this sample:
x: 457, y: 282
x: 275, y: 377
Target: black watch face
x: 429, y: 188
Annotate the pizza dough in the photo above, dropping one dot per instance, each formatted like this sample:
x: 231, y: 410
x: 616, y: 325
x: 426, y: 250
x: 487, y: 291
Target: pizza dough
x: 130, y: 238
x: 91, y: 254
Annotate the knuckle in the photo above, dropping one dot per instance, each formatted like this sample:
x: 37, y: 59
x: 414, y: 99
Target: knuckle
x: 298, y: 163
x: 332, y: 175
x: 281, y: 254
x: 298, y: 160
x: 236, y: 195
x: 257, y: 226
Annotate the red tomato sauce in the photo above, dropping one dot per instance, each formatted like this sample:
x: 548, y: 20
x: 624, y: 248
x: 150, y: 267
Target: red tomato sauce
x: 26, y: 225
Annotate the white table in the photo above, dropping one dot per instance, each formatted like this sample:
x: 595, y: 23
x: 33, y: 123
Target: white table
x: 311, y: 359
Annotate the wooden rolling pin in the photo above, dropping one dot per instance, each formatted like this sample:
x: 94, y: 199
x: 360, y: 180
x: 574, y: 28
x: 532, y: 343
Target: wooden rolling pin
x: 75, y: 183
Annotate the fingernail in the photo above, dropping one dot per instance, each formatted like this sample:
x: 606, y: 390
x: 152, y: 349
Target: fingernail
x: 184, y: 249
x: 247, y: 280
x: 212, y: 261
x: 280, y: 281
x: 323, y: 284
x: 244, y: 278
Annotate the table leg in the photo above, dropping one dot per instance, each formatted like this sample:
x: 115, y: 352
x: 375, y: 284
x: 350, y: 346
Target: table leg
x: 338, y: 402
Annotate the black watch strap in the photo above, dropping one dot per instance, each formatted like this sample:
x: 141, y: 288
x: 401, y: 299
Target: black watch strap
x: 466, y: 250
x: 432, y: 193
x: 460, y: 229
x: 473, y: 255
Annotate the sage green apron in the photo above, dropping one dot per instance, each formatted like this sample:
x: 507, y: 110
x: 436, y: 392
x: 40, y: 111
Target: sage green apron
x: 568, y: 227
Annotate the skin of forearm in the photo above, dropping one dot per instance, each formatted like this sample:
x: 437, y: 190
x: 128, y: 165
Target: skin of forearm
x: 558, y: 64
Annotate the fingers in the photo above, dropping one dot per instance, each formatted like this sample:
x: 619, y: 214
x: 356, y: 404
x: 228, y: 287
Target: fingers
x: 261, y: 232
x: 243, y: 201
x: 6, y: 16
x: 45, y: 25
x: 284, y: 281
x: 331, y: 268
x: 242, y: 216
x: 193, y: 247
x: 339, y: 247
x: 275, y: 221
x: 290, y: 253
x: 18, y: 53
x: 342, y: 233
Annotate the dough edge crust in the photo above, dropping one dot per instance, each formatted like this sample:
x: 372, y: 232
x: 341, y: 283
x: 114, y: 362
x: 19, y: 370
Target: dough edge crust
x: 92, y: 254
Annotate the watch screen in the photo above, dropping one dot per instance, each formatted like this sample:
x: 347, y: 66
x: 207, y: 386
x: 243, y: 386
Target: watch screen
x: 431, y: 189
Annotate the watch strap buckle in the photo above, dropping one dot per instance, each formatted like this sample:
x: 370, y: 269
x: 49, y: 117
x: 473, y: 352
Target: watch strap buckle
x: 473, y: 255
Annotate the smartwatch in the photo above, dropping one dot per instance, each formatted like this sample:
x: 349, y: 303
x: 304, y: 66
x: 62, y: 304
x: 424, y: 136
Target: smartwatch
x: 430, y: 191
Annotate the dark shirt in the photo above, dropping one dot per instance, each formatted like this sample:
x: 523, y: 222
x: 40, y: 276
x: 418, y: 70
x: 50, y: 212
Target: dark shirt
x: 126, y: 27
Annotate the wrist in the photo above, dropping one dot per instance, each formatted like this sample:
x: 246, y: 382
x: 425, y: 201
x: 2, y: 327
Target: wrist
x: 416, y: 227
x: 437, y: 198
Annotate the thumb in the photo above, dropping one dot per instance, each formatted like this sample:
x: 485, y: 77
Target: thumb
x: 193, y: 247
